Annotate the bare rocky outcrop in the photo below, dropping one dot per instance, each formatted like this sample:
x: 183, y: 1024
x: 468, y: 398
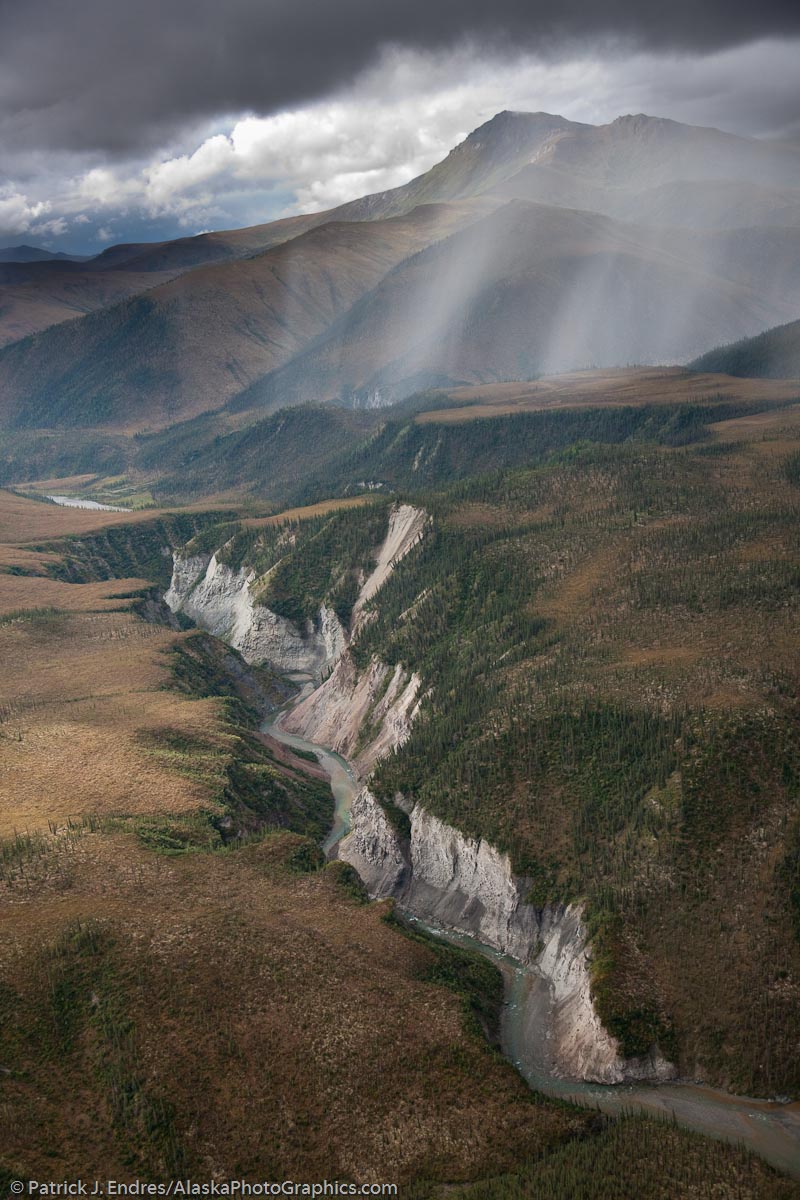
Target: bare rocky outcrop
x: 406, y: 527
x: 375, y: 848
x: 364, y: 715
x: 467, y: 884
x: 220, y: 600
x: 361, y: 715
x: 186, y: 572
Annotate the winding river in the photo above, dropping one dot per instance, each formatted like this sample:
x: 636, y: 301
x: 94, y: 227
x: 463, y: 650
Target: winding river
x: 769, y: 1127
x: 80, y: 502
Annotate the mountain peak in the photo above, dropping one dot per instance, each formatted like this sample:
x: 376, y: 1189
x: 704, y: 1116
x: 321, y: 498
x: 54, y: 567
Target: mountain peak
x: 30, y: 254
x: 512, y: 137
x: 642, y: 119
x: 511, y: 120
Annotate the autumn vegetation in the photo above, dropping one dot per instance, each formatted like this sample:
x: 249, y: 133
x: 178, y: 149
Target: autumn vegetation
x: 608, y: 636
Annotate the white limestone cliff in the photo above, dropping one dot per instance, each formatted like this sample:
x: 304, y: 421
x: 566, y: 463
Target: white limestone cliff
x: 366, y: 715
x: 374, y: 847
x: 406, y: 528
x: 219, y: 599
x: 361, y: 715
x: 466, y: 884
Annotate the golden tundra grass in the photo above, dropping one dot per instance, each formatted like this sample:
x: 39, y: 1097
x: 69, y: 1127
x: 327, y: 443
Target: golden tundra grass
x: 214, y: 1012
x: 82, y: 679
x: 624, y: 385
x: 78, y: 690
x: 307, y: 511
x: 219, y: 1014
x: 23, y: 520
x: 283, y: 1027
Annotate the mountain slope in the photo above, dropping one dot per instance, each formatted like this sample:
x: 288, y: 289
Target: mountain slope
x: 528, y: 290
x: 489, y: 155
x: 617, y: 169
x: 638, y: 151
x: 183, y: 254
x: 36, y: 295
x: 554, y: 292
x: 26, y: 254
x: 712, y: 204
x: 774, y: 354
x: 39, y: 295
x: 190, y: 344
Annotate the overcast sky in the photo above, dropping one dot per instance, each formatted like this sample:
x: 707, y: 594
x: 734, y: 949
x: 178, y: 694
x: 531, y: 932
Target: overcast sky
x: 123, y: 122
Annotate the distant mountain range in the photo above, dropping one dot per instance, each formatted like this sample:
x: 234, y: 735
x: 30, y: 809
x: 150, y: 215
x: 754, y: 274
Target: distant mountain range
x: 639, y: 168
x: 534, y: 290
x: 537, y: 245
x: 28, y: 254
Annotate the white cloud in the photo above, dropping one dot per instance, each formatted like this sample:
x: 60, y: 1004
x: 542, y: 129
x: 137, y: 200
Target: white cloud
x: 53, y: 228
x: 407, y: 112
x: 165, y: 181
x: 104, y: 187
x: 394, y: 122
x: 17, y: 213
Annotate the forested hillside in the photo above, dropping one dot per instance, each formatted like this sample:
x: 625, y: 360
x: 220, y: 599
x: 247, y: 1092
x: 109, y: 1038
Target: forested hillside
x: 609, y: 646
x: 611, y: 651
x: 773, y: 354
x: 603, y: 615
x: 349, y: 452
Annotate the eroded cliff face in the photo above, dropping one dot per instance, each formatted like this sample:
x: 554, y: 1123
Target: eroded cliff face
x: 406, y: 528
x: 467, y: 885
x: 375, y: 848
x: 433, y: 870
x: 220, y: 600
x: 361, y: 715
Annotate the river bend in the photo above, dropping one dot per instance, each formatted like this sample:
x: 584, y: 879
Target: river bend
x: 769, y: 1127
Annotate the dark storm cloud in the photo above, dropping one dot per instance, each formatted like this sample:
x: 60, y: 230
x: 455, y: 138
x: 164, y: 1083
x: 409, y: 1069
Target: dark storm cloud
x: 119, y: 77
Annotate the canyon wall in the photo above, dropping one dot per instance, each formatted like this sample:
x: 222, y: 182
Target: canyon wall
x: 434, y: 871
x: 466, y: 884
x: 361, y: 715
x: 220, y: 600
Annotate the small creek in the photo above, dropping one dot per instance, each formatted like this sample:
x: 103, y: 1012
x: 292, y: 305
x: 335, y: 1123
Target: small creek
x: 770, y: 1128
